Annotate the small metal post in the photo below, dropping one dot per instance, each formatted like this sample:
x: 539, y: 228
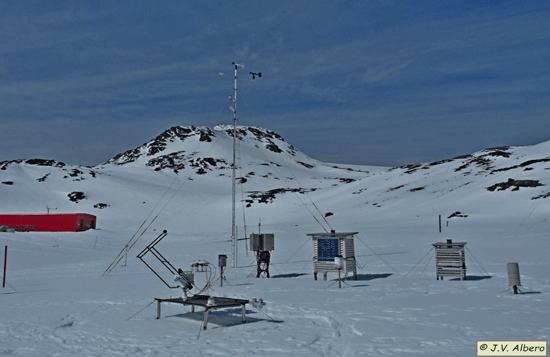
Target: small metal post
x: 158, y: 309
x: 5, y: 265
x: 205, y: 322
x: 339, y: 279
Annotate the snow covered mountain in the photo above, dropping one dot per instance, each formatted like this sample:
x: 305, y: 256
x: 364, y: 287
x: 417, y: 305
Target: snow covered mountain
x: 497, y: 200
x: 190, y: 165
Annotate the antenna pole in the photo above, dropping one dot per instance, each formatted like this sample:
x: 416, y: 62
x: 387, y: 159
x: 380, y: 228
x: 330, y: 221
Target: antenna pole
x: 233, y: 184
x: 233, y: 187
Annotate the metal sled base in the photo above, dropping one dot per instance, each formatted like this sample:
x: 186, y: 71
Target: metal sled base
x: 202, y: 300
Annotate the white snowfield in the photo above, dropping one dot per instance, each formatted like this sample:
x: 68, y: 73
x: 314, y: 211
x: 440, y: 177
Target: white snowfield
x: 57, y: 303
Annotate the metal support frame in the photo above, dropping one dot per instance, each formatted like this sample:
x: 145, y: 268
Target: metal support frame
x: 151, y: 249
x: 202, y: 300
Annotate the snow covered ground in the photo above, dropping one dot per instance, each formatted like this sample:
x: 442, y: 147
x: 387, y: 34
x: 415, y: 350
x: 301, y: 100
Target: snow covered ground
x: 56, y: 303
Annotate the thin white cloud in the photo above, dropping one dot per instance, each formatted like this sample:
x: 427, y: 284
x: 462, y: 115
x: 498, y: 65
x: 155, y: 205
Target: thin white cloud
x: 324, y: 64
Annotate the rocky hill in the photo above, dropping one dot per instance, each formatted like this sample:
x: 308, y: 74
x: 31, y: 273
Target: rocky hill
x: 190, y: 168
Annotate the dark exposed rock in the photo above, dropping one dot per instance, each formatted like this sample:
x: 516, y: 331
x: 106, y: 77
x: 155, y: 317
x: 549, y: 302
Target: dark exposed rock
x: 395, y: 188
x: 263, y: 134
x: 457, y: 214
x: 523, y: 164
x: 271, y: 146
x: 514, y: 183
x: 546, y: 195
x: 270, y: 163
x: 417, y: 189
x: 101, y: 205
x: 173, y: 161
x: 269, y: 196
x: 76, y: 196
x: 480, y: 161
x: 75, y: 172
x: 484, y: 160
x: 125, y: 157
x: 43, y: 178
x: 497, y: 152
x: 7, y: 182
x: 159, y: 143
x: 305, y: 165
x: 177, y: 161
x: 41, y: 162
x: 267, y: 138
x: 38, y: 162
x: 348, y: 169
x: 291, y: 150
x: 206, y: 136
x: 411, y: 168
x: 205, y: 163
x: 212, y: 161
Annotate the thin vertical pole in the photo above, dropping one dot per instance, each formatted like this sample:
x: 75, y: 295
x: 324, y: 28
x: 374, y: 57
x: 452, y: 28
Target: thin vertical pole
x: 5, y: 265
x: 233, y: 189
x: 439, y: 223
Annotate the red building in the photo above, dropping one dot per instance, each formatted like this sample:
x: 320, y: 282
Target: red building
x: 55, y: 222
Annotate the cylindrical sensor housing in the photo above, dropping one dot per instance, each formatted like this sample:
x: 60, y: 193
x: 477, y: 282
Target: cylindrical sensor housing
x: 339, y: 262
x: 513, y: 274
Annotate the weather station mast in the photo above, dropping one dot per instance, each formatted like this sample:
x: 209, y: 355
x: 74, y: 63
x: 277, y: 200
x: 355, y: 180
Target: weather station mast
x: 234, y: 165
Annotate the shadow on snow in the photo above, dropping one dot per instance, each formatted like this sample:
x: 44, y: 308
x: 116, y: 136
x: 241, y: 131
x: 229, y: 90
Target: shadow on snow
x: 372, y: 276
x: 223, y: 318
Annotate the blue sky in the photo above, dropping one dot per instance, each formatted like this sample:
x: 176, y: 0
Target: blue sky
x: 362, y: 82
